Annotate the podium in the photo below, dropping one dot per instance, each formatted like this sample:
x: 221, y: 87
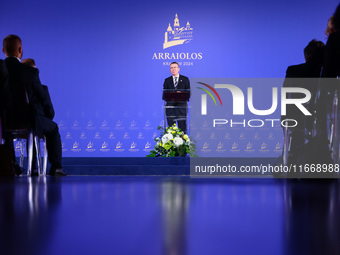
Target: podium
x: 175, y: 101
x: 176, y: 96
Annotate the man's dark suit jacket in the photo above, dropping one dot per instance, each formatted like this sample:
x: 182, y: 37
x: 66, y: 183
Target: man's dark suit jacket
x: 4, y: 95
x: 183, y: 85
x: 4, y: 87
x: 49, y: 110
x: 305, y: 70
x: 331, y: 69
x: 294, y: 78
x: 332, y: 56
x: 25, y: 78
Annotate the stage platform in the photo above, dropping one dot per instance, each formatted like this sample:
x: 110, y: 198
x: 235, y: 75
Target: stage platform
x: 143, y: 165
x: 166, y: 215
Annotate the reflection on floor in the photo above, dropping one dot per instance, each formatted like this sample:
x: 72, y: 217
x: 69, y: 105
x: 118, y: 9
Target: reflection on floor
x: 168, y: 215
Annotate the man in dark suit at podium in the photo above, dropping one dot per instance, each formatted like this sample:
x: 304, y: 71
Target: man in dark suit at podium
x: 176, y: 111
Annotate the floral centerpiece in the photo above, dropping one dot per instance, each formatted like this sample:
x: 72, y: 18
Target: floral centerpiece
x: 173, y: 142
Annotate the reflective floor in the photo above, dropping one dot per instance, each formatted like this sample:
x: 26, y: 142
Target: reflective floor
x: 168, y: 215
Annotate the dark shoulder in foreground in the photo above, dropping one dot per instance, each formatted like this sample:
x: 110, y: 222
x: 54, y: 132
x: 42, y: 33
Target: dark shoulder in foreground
x: 296, y: 71
x: 14, y: 64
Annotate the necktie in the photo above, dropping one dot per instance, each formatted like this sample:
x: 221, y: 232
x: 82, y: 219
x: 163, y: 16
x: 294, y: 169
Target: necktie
x: 176, y: 82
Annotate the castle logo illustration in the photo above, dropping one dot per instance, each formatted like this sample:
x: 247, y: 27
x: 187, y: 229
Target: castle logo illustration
x: 177, y: 35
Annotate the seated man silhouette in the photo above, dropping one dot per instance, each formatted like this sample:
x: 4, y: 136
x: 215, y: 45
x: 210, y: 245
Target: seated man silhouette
x: 48, y: 111
x: 21, y: 75
x: 314, y: 54
x: 4, y: 106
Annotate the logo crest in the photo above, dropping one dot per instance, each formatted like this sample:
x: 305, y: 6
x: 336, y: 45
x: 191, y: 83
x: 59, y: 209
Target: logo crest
x: 177, y: 35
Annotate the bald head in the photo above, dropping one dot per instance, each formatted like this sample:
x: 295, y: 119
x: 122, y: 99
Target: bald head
x: 12, y: 46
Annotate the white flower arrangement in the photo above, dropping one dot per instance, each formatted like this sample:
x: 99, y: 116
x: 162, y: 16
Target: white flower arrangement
x: 178, y: 141
x: 173, y: 142
x: 167, y: 137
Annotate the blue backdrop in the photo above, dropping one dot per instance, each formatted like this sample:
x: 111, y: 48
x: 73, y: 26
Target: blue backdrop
x: 105, y: 64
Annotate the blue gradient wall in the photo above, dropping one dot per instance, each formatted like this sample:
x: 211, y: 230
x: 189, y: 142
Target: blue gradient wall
x: 98, y: 57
